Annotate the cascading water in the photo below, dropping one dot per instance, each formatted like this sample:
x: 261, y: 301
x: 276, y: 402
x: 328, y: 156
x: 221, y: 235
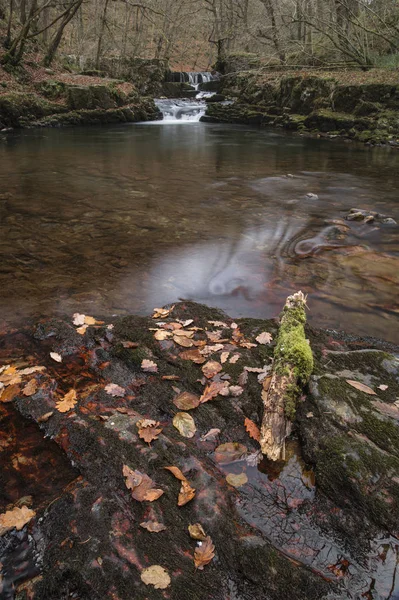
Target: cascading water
x: 196, y: 78
x: 180, y: 111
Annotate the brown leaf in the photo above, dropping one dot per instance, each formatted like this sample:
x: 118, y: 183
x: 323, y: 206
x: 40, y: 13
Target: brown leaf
x: 170, y: 377
x: 55, y: 356
x: 183, y: 341
x: 235, y: 390
x: 45, y: 417
x: 210, y: 435
x: 8, y: 394
x: 149, y: 366
x: 193, y: 355
x: 252, y: 429
x: 211, y: 368
x: 204, y: 554
x: 82, y: 330
x: 237, y: 480
x: 149, y: 430
x: 185, y: 424
x: 156, y: 576
x: 361, y: 387
x: 130, y: 344
x: 30, y: 370
x: 140, y: 485
x: 172, y: 326
x: 161, y: 335
x: 234, y: 358
x: 153, y: 526
x: 186, y: 401
x: 30, y: 388
x: 17, y: 517
x: 230, y: 452
x: 186, y: 493
x: 264, y: 338
x: 383, y: 387
x: 218, y: 324
x: 243, y: 378
x: 162, y: 313
x: 212, y: 390
x: 115, y: 390
x: 197, y: 532
x: 224, y: 356
x: 68, y: 401
x: 184, y: 333
x: 214, y: 336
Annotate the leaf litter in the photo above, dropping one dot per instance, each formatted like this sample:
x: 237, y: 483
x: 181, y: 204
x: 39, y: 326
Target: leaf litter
x: 187, y: 492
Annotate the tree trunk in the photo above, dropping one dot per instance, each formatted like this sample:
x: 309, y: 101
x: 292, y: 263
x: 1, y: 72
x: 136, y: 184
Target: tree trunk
x: 101, y: 35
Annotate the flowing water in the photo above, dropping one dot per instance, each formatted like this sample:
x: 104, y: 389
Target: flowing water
x: 120, y: 219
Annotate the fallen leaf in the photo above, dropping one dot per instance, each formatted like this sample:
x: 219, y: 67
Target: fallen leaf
x: 30, y: 388
x: 11, y: 377
x: 204, y: 553
x: 187, y: 323
x: 130, y: 344
x: 214, y: 336
x: 149, y: 366
x: 218, y: 324
x: 237, y: 480
x: 115, y: 390
x: 170, y: 377
x: 90, y: 320
x: 185, y: 424
x: 234, y: 326
x: 55, y: 356
x: 361, y: 387
x: 16, y: 518
x: 234, y: 358
x: 162, y: 313
x: 68, y: 402
x: 149, y: 430
x: 212, y: 390
x: 45, y: 417
x: 252, y: 429
x: 186, y: 401
x: 183, y: 333
x: 230, y: 452
x: 171, y: 326
x: 187, y: 492
x: 309, y: 415
x: 161, y: 335
x: 193, y: 355
x: 183, y: 341
x: 210, y: 435
x: 82, y: 330
x: 224, y: 356
x: 78, y: 319
x: 197, y: 532
x: 243, y: 378
x: 31, y: 370
x: 207, y: 350
x: 211, y: 368
x: 153, y: 526
x: 235, y: 390
x: 264, y: 338
x: 156, y: 576
x: 383, y: 387
x: 254, y: 369
x: 9, y: 393
x: 140, y: 485
x: 254, y: 459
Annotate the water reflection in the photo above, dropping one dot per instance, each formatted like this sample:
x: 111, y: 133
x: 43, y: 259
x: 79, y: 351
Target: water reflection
x: 121, y: 219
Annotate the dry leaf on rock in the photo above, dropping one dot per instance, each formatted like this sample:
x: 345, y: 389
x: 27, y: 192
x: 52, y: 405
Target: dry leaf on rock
x: 162, y: 313
x: 204, y: 553
x: 55, y: 356
x: 361, y: 387
x: 383, y: 387
x: 9, y: 393
x: 78, y: 319
x: 214, y: 336
x: 197, y: 532
x: 149, y: 430
x: 30, y: 370
x: 187, y: 322
x: 140, y: 485
x: 153, y: 526
x: 82, y: 330
x: 183, y: 332
x: 193, y: 355
x: 185, y: 424
x: 45, y: 417
x: 218, y: 324
x: 212, y: 390
x: 30, y: 388
x: 149, y: 366
x: 68, y: 401
x: 170, y: 377
x: 243, y: 378
x: 17, y: 517
x: 161, y: 335
x: 252, y: 429
x: 235, y: 390
x: 129, y: 344
x: 211, y: 368
x: 183, y: 341
x: 156, y: 576
x: 186, y: 401
x: 234, y: 358
x: 224, y: 356
x: 230, y: 452
x: 187, y: 492
x: 264, y: 338
x: 115, y: 390
x: 237, y: 480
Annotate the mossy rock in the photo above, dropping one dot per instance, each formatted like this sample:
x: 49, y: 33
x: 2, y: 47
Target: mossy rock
x: 345, y: 98
x: 302, y: 94
x: 366, y: 108
x: 19, y: 109
x: 325, y: 121
x: 51, y: 88
x: 172, y: 89
x: 89, y: 97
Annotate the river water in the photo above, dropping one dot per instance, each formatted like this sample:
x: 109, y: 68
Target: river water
x: 120, y: 219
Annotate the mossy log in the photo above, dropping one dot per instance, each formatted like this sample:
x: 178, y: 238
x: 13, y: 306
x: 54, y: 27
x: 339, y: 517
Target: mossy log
x: 293, y: 365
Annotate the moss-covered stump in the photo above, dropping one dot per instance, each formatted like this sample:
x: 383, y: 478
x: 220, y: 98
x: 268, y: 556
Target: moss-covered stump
x: 290, y: 531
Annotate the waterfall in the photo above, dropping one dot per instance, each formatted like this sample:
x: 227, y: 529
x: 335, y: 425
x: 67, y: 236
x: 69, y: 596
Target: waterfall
x: 180, y: 111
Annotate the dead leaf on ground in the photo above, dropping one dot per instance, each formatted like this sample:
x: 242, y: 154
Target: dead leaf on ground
x: 156, y: 576
x: 230, y: 452
x: 140, y: 485
x: 30, y: 370
x: 383, y: 387
x: 235, y: 390
x: 207, y: 350
x: 55, y: 356
x: 212, y: 390
x: 264, y: 338
x: 153, y: 526
x: 170, y: 377
x: 193, y: 355
x: 149, y: 366
x: 30, y: 388
x: 361, y: 387
x: 210, y: 435
x: 243, y: 378
x: 197, y: 532
x: 183, y: 341
x: 162, y: 313
x: 211, y: 368
x: 185, y: 424
x: 214, y: 336
x: 130, y: 344
x: 82, y: 330
x: 224, y: 356
x: 161, y: 335
x: 186, y: 401
x: 252, y: 429
x: 115, y: 390
x: 16, y: 518
x: 218, y: 324
x: 204, y: 553
x: 237, y: 480
x: 234, y: 358
x: 68, y: 402
x: 45, y: 417
x: 9, y: 393
x: 187, y: 492
x: 188, y: 333
x: 78, y: 319
x: 149, y: 430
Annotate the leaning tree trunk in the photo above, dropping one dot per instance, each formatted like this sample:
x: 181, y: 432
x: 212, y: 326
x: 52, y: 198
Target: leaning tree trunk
x: 292, y: 367
x: 55, y: 42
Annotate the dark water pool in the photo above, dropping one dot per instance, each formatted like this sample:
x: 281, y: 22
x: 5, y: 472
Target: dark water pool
x: 124, y: 218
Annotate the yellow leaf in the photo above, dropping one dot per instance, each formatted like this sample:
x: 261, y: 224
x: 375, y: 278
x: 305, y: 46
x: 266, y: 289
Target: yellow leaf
x: 68, y: 402
x: 186, y: 401
x: 361, y: 387
x: 197, y: 532
x: 17, y: 517
x: 156, y: 576
x: 204, y: 554
x: 30, y: 388
x: 185, y: 424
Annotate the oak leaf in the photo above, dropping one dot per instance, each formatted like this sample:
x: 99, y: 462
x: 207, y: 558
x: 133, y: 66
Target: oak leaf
x: 17, y: 517
x: 9, y: 393
x: 156, y: 576
x: 234, y: 358
x: 252, y: 429
x: 140, y: 485
x: 197, y: 532
x: 212, y: 390
x: 149, y: 430
x: 30, y: 388
x: 68, y: 401
x: 383, y: 387
x: 361, y: 387
x: 224, y: 356
x: 235, y: 390
x: 211, y: 368
x: 187, y: 492
x: 204, y: 553
x: 115, y: 390
x: 30, y: 370
x: 153, y: 526
x: 149, y: 366
x: 264, y: 338
x: 193, y: 355
x: 185, y: 424
x: 186, y: 401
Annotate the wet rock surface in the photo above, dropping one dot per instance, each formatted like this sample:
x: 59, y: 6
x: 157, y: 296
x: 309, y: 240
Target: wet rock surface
x: 322, y: 524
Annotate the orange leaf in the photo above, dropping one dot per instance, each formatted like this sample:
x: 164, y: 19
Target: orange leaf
x: 211, y: 368
x: 30, y: 388
x: 186, y: 401
x: 68, y: 402
x: 141, y: 485
x: 212, y: 390
x: 186, y: 493
x: 17, y: 517
x: 252, y: 429
x: 193, y: 355
x: 204, y: 554
x: 149, y: 430
x: 8, y: 394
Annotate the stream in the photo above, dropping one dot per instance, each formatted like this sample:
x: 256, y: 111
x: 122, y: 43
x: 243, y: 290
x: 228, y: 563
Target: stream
x: 119, y: 219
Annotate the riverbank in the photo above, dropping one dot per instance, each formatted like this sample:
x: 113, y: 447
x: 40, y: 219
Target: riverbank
x: 314, y: 526
x: 352, y: 105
